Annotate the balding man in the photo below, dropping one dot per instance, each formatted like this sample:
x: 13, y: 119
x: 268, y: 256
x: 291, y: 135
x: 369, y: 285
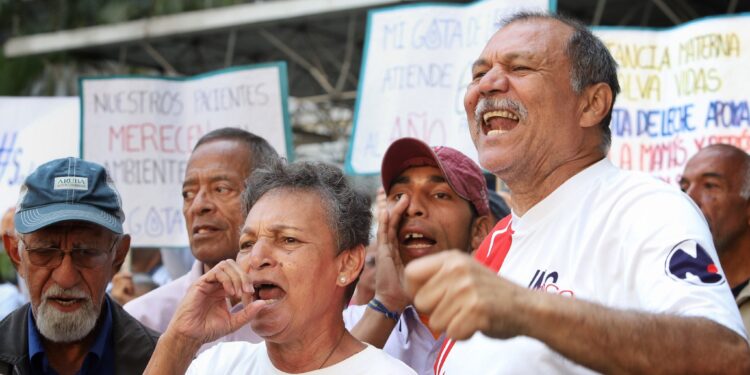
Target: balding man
x: 717, y: 178
x: 215, y: 176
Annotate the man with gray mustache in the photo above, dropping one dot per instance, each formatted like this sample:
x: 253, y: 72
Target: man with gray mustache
x: 68, y: 244
x: 596, y: 269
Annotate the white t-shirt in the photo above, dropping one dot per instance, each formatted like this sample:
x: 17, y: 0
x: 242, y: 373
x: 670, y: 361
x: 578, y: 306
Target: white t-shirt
x: 620, y: 239
x: 410, y: 341
x: 743, y: 303
x: 247, y: 358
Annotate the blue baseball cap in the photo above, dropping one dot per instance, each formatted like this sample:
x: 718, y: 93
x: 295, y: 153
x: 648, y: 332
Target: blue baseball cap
x: 68, y: 189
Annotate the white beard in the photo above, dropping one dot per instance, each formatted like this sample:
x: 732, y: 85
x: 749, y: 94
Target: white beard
x: 65, y: 327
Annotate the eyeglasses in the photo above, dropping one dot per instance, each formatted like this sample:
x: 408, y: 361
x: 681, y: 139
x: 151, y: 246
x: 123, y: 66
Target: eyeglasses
x: 82, y: 257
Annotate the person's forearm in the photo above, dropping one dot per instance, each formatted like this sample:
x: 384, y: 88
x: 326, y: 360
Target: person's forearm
x: 618, y: 341
x: 173, y: 355
x: 374, y: 328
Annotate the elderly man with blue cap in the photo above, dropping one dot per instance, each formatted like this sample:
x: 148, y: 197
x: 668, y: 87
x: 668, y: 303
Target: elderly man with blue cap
x: 69, y: 241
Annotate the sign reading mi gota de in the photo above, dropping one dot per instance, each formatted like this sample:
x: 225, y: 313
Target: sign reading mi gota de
x: 142, y: 130
x: 415, y: 69
x: 683, y: 89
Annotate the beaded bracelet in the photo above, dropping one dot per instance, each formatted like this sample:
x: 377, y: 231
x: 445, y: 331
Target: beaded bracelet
x: 380, y: 307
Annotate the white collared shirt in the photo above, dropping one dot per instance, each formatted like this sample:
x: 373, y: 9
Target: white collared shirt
x: 410, y: 341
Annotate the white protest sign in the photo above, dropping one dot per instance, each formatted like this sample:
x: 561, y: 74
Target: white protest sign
x: 33, y: 131
x: 416, y: 66
x: 683, y: 88
x: 142, y: 130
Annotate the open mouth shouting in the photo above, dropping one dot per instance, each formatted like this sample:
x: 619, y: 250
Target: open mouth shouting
x: 268, y: 291
x: 416, y: 244
x: 499, y: 122
x: 499, y: 116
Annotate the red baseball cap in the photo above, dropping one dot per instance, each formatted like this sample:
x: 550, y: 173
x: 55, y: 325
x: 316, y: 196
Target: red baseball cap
x: 462, y: 173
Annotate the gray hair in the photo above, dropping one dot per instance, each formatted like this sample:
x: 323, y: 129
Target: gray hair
x: 348, y: 210
x: 260, y: 150
x: 590, y: 61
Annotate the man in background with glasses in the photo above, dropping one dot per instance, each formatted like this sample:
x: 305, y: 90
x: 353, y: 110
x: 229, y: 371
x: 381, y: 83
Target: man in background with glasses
x: 70, y: 242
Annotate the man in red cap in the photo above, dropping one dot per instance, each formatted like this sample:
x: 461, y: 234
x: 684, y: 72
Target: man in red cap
x: 436, y: 200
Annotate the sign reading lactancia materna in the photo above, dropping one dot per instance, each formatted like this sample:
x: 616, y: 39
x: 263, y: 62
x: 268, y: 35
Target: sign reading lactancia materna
x: 683, y: 88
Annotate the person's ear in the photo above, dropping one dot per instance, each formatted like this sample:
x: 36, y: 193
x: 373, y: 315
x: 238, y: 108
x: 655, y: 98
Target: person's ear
x: 596, y: 100
x: 479, y: 230
x: 350, y: 263
x: 121, y: 250
x: 11, y: 247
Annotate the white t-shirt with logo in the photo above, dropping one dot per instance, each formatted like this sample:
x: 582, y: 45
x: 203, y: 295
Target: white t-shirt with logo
x: 248, y: 358
x: 620, y: 239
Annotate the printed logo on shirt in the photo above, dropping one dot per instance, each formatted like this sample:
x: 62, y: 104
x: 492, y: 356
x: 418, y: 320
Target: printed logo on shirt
x: 548, y: 283
x: 690, y: 262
